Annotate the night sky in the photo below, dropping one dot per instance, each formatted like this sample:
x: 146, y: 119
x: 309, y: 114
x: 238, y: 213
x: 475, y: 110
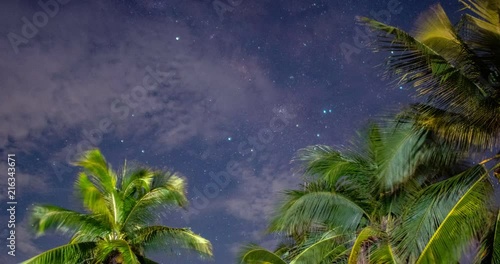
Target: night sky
x: 204, y: 88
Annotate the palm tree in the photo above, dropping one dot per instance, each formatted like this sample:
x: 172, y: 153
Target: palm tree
x: 456, y: 68
x: 121, y: 211
x: 407, y: 201
x: 400, y: 199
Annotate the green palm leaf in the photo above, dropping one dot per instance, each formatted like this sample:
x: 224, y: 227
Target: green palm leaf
x: 94, y: 163
x: 143, y: 209
x: 384, y: 254
x: 65, y: 221
x: 70, y: 253
x: 455, y: 127
x: 323, y: 250
x: 364, y: 235
x: 118, y: 250
x: 399, y: 155
x: 94, y: 200
x: 306, y: 208
x: 330, y: 164
x: 444, y: 218
x: 158, y: 237
x: 253, y: 254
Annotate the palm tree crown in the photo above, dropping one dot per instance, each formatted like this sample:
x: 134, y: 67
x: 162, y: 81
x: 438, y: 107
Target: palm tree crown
x: 121, y: 211
x: 455, y: 67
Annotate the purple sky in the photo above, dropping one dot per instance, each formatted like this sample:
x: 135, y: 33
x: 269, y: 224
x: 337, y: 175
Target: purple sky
x: 187, y: 86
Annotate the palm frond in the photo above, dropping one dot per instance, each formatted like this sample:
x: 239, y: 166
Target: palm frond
x: 329, y: 164
x: 418, y: 64
x: 487, y: 10
x: 365, y: 234
x: 304, y: 209
x: 138, y: 182
x: 323, y: 249
x: 165, y: 190
x: 94, y: 201
x: 48, y: 217
x: 384, y: 254
x: 478, y: 129
x: 70, y: 253
x: 98, y: 169
x: 253, y: 254
x: 117, y: 249
x: 399, y: 155
x: 160, y: 237
x: 443, y: 219
x: 489, y: 248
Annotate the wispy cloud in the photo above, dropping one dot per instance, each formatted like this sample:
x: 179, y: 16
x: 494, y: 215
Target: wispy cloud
x: 259, y: 191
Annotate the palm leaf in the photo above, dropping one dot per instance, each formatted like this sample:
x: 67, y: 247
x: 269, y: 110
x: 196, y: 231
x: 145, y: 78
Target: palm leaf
x: 365, y: 234
x: 425, y: 68
x: 95, y: 164
x: 49, y: 217
x: 93, y: 199
x: 143, y: 209
x: 384, y: 254
x: 303, y: 209
x: 138, y: 182
x: 253, y: 254
x: 117, y: 248
x: 475, y: 128
x: 444, y: 218
x: 70, y: 253
x: 321, y: 250
x: 329, y: 164
x: 160, y: 237
x: 487, y: 10
x: 399, y: 156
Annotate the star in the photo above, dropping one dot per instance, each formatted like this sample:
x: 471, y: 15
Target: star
x: 142, y: 151
x: 229, y: 138
x: 177, y: 38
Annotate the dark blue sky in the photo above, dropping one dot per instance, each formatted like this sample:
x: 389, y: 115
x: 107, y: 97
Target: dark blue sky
x: 200, y: 87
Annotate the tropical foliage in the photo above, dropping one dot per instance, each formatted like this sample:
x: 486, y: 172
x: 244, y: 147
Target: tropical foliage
x: 121, y: 211
x: 403, y: 198
x: 411, y: 192
x: 456, y: 68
